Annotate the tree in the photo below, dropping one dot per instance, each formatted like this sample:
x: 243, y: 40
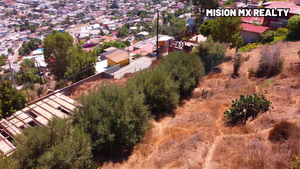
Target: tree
x: 226, y: 30
x: 115, y: 44
x: 57, y: 145
x: 115, y: 117
x: 209, y: 52
x: 127, y: 42
x: 205, y: 28
x: 81, y: 64
x: 3, y: 59
x: 177, y: 26
x: 8, y: 162
x: 185, y: 69
x: 11, y: 100
x: 56, y: 46
x: 200, y: 5
x: 114, y: 5
x: 15, y: 12
x: 28, y: 63
x: 160, y: 90
x: 10, y: 50
x: 294, y: 27
x: 123, y: 32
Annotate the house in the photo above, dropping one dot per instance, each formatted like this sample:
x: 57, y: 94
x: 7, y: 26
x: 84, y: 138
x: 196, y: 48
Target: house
x: 142, y: 34
x: 115, y: 57
x: 186, y: 47
x: 165, y: 40
x: 251, y: 33
x: 132, y: 29
x: 144, y: 51
x: 276, y: 22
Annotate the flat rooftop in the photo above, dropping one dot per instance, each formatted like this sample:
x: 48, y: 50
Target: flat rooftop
x: 36, y: 114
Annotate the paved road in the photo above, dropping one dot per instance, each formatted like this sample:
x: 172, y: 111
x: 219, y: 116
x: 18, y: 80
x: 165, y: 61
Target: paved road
x: 135, y: 66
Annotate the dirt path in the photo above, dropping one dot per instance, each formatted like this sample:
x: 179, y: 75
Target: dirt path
x: 208, y: 164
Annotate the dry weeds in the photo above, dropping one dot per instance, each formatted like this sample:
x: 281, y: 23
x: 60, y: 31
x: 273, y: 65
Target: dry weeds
x: 196, y: 137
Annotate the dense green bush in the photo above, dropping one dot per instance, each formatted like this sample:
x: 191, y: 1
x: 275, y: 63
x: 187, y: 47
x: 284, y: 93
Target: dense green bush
x: 115, y: 117
x: 209, y: 51
x: 267, y: 36
x: 57, y: 145
x: 294, y: 27
x: 11, y: 100
x: 248, y: 47
x: 161, y: 92
x: 282, y: 32
x: 61, y: 84
x: 245, y: 107
x: 271, y: 61
x: 205, y: 28
x: 185, y: 69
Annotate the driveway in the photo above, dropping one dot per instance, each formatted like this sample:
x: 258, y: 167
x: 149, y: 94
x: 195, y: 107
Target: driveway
x: 135, y: 66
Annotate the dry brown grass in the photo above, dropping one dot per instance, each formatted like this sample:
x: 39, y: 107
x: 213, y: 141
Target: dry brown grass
x: 196, y: 137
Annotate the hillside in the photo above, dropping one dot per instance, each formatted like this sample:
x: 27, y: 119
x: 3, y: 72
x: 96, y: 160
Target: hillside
x: 196, y: 136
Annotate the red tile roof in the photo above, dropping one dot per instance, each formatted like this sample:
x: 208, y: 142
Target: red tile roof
x: 254, y: 28
x: 294, y: 9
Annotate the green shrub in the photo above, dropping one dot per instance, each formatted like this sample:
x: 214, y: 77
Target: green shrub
x: 61, y: 84
x: 283, y: 131
x: 245, y: 107
x: 267, y: 36
x: 271, y: 61
x: 298, y: 52
x: 296, y: 163
x: 238, y: 61
x: 248, y: 47
x: 294, y: 27
x: 205, y: 28
x: 185, y: 69
x: 277, y: 39
x: 115, y: 117
x: 209, y: 52
x: 57, y: 145
x: 161, y: 92
x: 281, y: 32
x: 251, y: 71
x: 11, y: 100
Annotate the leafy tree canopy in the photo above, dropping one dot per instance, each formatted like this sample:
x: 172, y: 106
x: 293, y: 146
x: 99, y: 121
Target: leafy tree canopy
x: 294, y: 27
x: 226, y: 30
x: 56, y: 46
x: 57, y: 145
x: 11, y: 100
x: 209, y: 52
x: 115, y: 117
x: 186, y: 70
x: 161, y: 92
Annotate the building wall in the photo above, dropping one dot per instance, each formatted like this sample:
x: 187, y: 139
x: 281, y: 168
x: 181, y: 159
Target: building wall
x: 249, y: 37
x: 161, y: 43
x: 122, y: 63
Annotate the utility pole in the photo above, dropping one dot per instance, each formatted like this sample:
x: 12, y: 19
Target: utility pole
x: 38, y: 66
x: 25, y: 85
x: 12, y: 74
x: 157, y: 33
